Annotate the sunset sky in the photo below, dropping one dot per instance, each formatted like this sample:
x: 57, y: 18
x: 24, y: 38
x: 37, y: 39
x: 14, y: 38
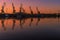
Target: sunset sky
x: 45, y: 6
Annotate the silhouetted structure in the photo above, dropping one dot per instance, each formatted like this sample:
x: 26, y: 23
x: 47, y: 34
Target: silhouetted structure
x: 31, y: 10
x: 2, y: 10
x: 23, y: 21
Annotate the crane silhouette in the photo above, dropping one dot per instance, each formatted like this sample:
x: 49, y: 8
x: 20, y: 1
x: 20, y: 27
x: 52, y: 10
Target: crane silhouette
x: 31, y: 21
x: 13, y: 24
x: 2, y: 10
x: 31, y: 10
x: 37, y: 10
x: 13, y: 8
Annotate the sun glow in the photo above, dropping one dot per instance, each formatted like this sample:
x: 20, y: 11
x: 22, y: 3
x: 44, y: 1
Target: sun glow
x: 43, y: 8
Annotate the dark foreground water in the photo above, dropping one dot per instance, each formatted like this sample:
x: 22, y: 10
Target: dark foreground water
x: 30, y: 29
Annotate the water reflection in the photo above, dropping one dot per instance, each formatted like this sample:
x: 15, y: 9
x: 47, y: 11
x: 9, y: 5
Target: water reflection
x: 30, y: 22
x: 37, y: 21
x: 2, y: 22
x: 21, y: 24
x: 33, y: 27
x: 13, y: 24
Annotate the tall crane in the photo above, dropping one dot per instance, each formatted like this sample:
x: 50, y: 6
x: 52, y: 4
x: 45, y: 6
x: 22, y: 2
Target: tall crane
x: 37, y: 10
x: 13, y: 8
x: 2, y: 10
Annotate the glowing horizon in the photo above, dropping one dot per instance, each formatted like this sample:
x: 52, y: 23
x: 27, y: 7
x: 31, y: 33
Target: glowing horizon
x: 45, y: 6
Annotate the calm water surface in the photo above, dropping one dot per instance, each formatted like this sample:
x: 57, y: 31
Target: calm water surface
x: 31, y: 28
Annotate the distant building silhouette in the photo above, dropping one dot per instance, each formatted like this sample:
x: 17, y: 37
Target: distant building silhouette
x: 22, y: 14
x: 22, y: 9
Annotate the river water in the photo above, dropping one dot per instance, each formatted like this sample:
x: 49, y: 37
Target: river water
x: 30, y: 28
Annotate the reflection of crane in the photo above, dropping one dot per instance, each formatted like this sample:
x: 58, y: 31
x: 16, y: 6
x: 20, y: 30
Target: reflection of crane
x: 31, y: 21
x: 13, y: 6
x: 37, y: 21
x: 3, y: 24
x: 21, y: 24
x: 2, y: 10
x: 13, y: 24
x: 23, y: 10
